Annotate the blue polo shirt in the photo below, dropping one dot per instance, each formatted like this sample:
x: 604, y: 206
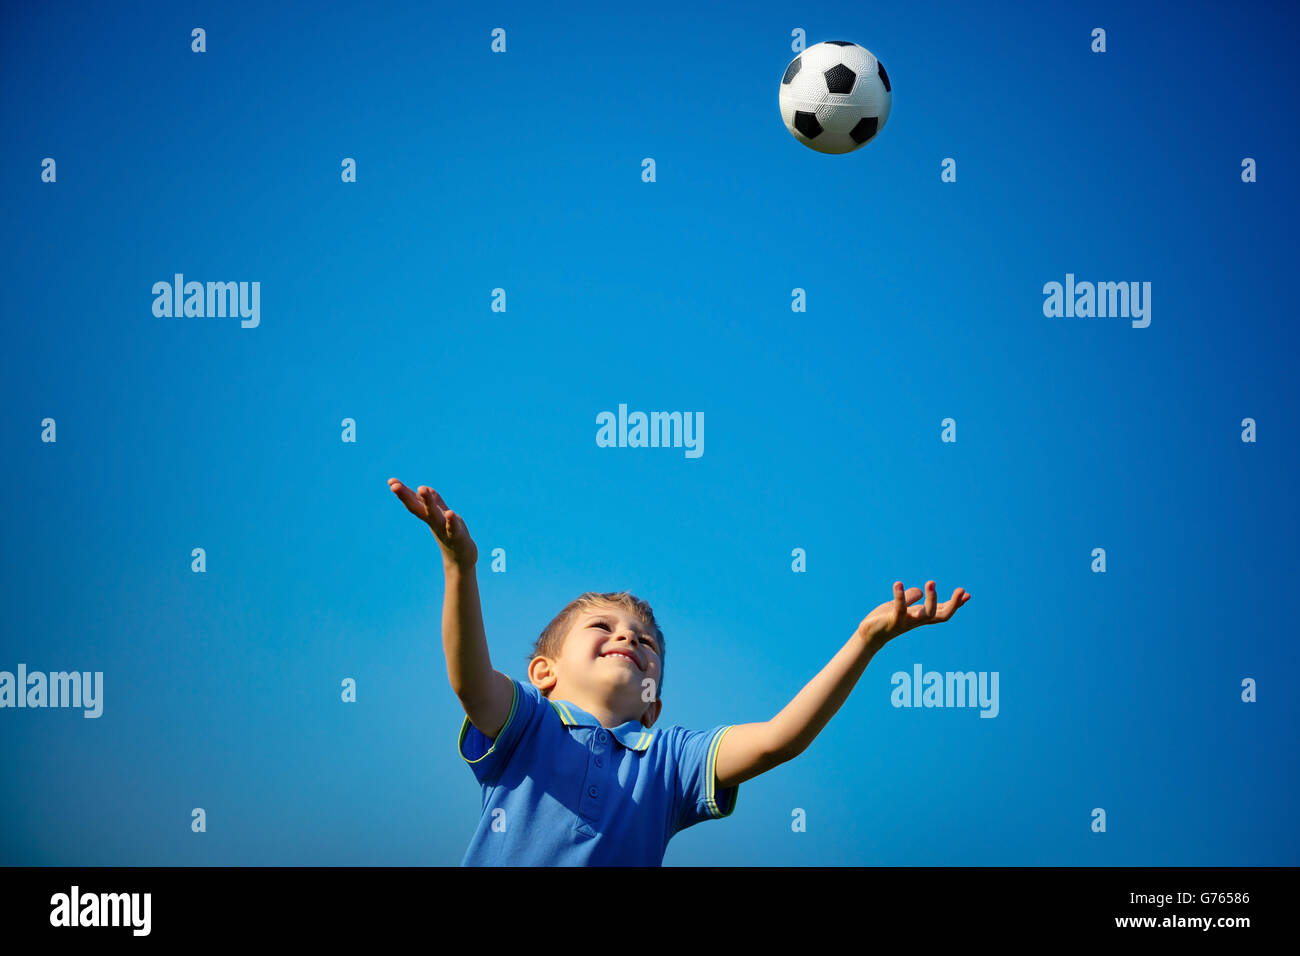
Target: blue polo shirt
x: 561, y: 790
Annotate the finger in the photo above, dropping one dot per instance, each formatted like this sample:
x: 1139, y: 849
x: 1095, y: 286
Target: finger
x: 414, y: 504
x: 949, y: 608
x: 900, y: 600
x: 435, y: 498
x: 924, y: 613
x: 437, y: 511
x: 912, y: 595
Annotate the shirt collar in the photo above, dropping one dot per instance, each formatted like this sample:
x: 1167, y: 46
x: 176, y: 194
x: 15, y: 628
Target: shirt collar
x: 631, y: 734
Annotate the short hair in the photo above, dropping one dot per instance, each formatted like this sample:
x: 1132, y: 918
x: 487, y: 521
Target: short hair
x: 551, y: 641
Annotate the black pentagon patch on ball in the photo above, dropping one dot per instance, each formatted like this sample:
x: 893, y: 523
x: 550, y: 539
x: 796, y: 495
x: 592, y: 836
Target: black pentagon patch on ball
x: 865, y: 129
x: 884, y: 77
x: 840, y: 79
x: 806, y: 123
x: 793, y: 69
x: 841, y: 43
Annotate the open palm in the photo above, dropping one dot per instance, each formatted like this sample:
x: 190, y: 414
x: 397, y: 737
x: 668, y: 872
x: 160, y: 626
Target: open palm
x: 896, y: 617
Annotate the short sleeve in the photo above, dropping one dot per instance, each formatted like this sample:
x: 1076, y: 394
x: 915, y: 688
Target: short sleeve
x: 695, y: 757
x: 488, y: 757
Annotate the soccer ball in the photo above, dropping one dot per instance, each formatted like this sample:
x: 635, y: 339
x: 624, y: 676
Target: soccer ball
x: 835, y: 96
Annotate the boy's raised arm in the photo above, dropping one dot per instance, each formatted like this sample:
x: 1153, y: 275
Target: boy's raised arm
x: 748, y: 750
x: 485, y: 693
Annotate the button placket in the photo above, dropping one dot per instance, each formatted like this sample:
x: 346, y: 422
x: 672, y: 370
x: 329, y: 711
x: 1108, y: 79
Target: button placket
x: 599, y: 747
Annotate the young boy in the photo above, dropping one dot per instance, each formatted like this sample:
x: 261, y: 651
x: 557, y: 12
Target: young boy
x: 573, y: 770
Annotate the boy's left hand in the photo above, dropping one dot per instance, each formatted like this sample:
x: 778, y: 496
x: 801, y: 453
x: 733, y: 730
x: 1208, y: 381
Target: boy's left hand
x: 895, y: 617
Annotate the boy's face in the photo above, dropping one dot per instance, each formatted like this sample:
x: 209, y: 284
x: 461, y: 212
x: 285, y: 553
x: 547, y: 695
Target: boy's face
x: 608, y: 654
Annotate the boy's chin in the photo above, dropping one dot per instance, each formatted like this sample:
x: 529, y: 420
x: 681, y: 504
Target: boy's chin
x: 621, y: 686
x: 621, y: 674
x: 620, y: 682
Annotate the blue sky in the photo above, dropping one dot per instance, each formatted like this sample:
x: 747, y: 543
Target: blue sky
x: 522, y: 171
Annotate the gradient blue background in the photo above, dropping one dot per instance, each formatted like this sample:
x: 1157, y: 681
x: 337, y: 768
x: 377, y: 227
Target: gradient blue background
x: 822, y: 430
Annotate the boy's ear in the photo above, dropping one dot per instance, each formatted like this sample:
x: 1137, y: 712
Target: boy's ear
x: 651, y: 714
x: 542, y: 674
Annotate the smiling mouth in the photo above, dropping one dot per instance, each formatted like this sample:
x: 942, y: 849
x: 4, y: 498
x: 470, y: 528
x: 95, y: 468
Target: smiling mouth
x: 626, y: 656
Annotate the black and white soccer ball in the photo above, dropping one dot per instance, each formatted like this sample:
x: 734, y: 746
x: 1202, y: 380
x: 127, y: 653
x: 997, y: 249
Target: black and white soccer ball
x: 835, y: 96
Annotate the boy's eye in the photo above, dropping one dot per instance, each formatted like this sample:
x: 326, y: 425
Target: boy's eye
x: 648, y: 642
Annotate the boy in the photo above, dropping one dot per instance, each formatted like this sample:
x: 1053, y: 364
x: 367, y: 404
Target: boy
x: 572, y: 772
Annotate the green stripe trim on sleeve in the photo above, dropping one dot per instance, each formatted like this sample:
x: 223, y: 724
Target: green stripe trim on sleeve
x: 465, y: 725
x: 711, y: 796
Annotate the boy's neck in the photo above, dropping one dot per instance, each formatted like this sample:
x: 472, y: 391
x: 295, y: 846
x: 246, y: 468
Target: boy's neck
x: 602, y: 711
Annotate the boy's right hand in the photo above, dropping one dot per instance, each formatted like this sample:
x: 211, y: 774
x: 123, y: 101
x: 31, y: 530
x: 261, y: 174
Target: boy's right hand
x: 458, y: 548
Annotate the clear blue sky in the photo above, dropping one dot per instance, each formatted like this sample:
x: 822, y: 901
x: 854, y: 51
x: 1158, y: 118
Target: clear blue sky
x: 822, y: 429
